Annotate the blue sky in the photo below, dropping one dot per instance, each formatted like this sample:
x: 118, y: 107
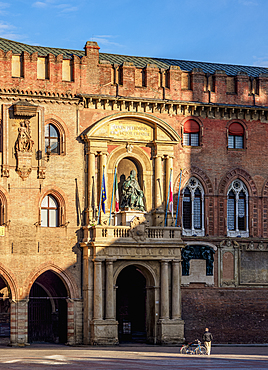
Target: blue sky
x: 226, y: 31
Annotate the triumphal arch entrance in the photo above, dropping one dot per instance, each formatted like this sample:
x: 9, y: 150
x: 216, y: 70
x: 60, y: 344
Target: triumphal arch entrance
x: 131, y: 248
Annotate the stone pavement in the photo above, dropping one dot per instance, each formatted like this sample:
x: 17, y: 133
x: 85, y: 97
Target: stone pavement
x: 126, y: 357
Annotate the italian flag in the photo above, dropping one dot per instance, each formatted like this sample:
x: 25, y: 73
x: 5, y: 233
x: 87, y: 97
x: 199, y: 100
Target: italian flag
x: 171, y: 200
x: 116, y: 195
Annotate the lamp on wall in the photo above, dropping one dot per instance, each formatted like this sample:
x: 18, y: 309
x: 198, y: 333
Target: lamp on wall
x: 48, y: 152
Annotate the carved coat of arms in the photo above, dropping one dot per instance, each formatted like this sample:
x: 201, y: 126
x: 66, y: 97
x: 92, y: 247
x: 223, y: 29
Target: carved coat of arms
x: 138, y: 229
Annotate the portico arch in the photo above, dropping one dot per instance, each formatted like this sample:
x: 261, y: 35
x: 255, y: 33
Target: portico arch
x: 8, y: 297
x: 53, y: 287
x: 135, y: 302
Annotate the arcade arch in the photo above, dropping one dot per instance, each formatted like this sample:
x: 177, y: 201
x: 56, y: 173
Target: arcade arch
x: 47, y: 309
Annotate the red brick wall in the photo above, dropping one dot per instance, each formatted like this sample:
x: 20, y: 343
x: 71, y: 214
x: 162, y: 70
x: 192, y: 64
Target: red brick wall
x: 233, y: 315
x: 92, y: 77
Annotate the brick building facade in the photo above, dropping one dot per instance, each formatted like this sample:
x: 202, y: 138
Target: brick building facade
x: 69, y: 272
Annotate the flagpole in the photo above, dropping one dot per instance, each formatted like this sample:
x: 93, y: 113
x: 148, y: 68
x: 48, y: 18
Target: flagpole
x: 100, y: 195
x: 145, y: 203
x: 93, y: 199
x: 168, y: 197
x: 178, y: 202
x: 112, y: 196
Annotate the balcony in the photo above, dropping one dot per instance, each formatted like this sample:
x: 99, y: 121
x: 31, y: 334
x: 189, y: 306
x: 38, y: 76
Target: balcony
x: 128, y: 235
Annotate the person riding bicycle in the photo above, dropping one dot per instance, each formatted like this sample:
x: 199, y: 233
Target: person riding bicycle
x: 207, y: 338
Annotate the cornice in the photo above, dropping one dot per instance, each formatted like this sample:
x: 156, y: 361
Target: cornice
x: 175, y: 107
x: 39, y: 97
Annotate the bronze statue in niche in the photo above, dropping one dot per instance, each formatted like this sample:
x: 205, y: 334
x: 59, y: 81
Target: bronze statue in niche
x: 132, y: 195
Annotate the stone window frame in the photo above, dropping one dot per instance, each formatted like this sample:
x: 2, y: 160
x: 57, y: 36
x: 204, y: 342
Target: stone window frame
x: 48, y: 209
x: 237, y: 185
x: 3, y: 209
x: 61, y: 208
x: 245, y: 136
x: 200, y: 137
x: 61, y: 138
x: 193, y: 188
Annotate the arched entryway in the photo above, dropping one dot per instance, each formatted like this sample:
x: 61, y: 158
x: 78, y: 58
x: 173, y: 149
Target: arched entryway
x: 47, y: 311
x: 134, y: 305
x: 5, y: 297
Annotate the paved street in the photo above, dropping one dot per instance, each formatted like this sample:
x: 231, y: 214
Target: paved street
x: 129, y: 357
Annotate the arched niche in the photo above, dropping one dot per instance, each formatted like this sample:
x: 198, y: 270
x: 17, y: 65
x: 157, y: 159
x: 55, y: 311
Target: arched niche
x: 138, y: 136
x: 137, y: 160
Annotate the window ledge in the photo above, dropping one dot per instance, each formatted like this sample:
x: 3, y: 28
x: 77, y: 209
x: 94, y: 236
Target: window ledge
x: 236, y: 149
x: 235, y: 234
x: 186, y: 232
x: 191, y: 147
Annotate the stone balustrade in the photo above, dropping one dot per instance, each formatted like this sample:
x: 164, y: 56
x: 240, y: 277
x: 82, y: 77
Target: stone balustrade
x: 101, y: 233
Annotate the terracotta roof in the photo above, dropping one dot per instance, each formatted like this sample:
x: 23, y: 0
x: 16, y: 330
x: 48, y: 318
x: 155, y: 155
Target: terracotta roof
x: 185, y: 65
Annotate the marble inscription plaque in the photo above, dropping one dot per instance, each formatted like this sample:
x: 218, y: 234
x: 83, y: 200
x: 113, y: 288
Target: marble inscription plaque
x: 130, y: 130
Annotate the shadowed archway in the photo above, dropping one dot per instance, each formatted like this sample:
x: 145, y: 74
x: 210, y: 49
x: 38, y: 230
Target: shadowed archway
x: 131, y: 305
x: 47, y: 311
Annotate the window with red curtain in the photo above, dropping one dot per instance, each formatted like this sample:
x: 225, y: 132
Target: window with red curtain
x: 236, y: 136
x: 191, y: 131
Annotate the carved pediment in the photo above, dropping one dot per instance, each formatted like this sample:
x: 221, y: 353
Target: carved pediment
x: 133, y: 127
x: 24, y: 108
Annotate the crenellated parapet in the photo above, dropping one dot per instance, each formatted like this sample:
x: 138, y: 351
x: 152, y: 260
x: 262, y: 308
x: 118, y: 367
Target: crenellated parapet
x: 41, y: 70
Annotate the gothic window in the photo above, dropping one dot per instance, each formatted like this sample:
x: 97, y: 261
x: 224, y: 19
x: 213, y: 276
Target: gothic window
x: 52, y: 139
x: 191, y: 133
x: 237, y: 209
x: 193, y: 208
x: 236, y: 136
x: 49, y: 212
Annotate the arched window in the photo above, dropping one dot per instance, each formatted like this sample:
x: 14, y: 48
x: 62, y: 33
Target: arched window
x: 52, y: 139
x: 237, y: 209
x: 193, y: 208
x: 49, y: 212
x: 236, y: 136
x: 191, y: 133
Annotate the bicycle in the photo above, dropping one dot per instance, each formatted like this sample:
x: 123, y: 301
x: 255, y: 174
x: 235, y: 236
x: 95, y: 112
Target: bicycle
x: 193, y: 348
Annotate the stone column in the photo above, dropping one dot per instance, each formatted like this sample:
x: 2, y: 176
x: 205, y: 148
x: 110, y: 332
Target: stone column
x: 158, y: 193
x: 85, y: 297
x: 13, y: 322
x: 176, y: 290
x: 168, y: 164
x: 97, y: 311
x: 164, y: 290
x: 70, y: 323
x: 22, y: 317
x: 109, y: 290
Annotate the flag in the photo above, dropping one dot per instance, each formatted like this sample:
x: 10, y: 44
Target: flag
x: 103, y: 193
x: 171, y: 199
x: 116, y: 195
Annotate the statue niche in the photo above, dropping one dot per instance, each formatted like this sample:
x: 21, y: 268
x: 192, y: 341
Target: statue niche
x: 131, y: 194
x: 23, y: 148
